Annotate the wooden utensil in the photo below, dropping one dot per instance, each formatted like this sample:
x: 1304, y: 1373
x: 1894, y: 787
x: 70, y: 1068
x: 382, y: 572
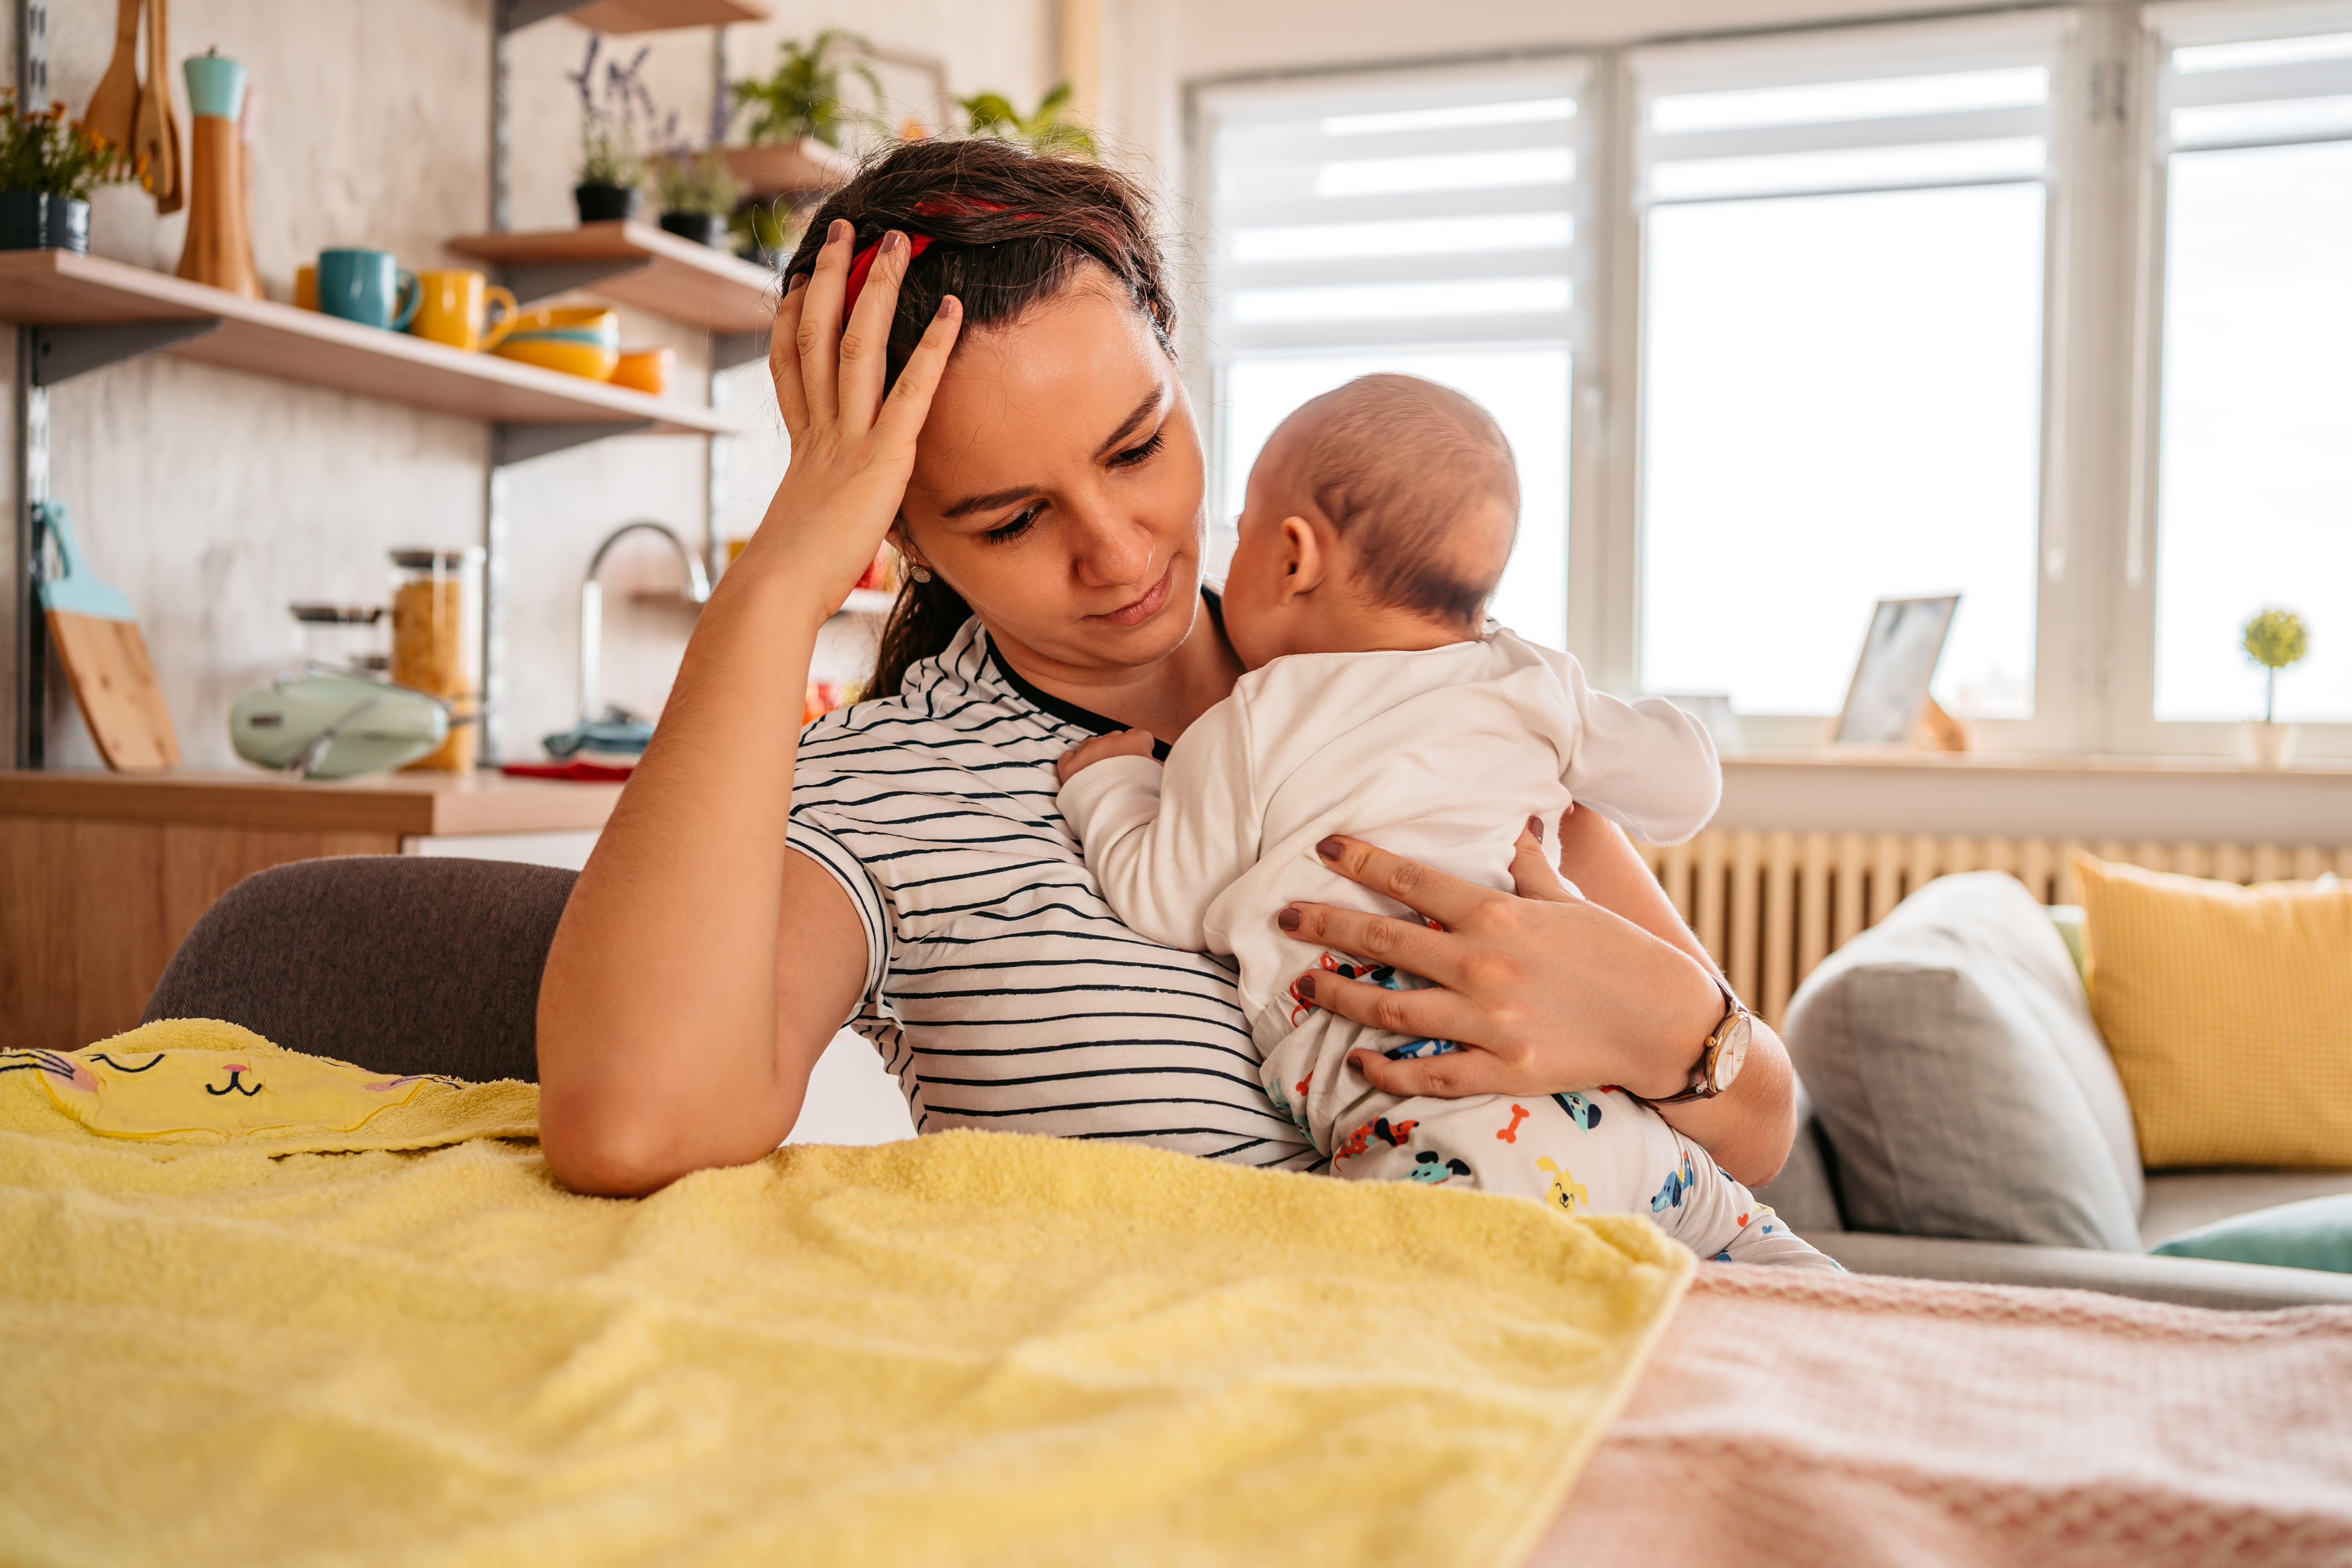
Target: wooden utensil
x: 157, y: 136
x: 114, y: 107
x: 105, y: 659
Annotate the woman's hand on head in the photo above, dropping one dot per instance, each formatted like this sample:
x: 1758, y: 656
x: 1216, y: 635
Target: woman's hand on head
x: 1546, y: 992
x: 852, y: 446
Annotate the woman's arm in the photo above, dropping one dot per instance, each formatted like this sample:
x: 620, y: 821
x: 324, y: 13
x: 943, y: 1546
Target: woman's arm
x: 701, y: 965
x: 1550, y: 991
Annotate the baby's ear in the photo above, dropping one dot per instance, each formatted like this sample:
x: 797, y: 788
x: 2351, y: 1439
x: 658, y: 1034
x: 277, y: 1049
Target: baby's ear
x: 1302, y: 552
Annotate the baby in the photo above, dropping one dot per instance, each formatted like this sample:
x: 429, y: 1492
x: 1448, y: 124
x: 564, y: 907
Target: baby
x: 1378, y: 521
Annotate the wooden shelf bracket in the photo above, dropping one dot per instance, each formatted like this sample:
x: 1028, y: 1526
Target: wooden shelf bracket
x: 520, y: 443
x: 60, y: 352
x: 729, y: 350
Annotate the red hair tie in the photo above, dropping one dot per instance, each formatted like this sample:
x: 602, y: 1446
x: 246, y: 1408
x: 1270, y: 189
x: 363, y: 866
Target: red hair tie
x: 862, y: 263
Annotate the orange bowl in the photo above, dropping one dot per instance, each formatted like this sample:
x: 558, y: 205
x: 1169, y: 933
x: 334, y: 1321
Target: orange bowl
x: 647, y: 370
x: 577, y: 340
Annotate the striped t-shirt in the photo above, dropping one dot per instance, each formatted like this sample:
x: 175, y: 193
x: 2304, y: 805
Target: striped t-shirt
x: 1000, y: 988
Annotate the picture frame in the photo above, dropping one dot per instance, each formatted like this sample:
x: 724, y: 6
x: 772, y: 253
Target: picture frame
x: 1888, y: 695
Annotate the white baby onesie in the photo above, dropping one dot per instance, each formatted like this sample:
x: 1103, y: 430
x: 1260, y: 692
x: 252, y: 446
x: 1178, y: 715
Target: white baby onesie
x: 1438, y: 755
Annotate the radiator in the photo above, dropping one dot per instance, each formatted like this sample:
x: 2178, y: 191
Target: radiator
x: 1770, y: 906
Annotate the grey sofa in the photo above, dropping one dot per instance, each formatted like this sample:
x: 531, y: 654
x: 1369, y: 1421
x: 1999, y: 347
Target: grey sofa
x: 1961, y: 1119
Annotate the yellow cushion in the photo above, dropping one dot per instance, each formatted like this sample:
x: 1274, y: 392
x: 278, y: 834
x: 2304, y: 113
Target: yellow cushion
x: 2229, y: 1012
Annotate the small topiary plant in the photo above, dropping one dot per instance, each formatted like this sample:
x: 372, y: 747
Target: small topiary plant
x: 2274, y: 639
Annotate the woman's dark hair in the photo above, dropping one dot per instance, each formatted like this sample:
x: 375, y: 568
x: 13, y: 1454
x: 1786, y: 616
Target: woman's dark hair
x: 1009, y: 228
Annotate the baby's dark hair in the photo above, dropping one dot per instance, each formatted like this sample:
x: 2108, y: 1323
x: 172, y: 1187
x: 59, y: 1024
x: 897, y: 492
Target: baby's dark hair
x: 1009, y: 229
x: 1397, y: 465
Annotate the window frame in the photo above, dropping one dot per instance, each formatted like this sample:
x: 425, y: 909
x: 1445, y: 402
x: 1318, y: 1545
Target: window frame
x: 2095, y: 640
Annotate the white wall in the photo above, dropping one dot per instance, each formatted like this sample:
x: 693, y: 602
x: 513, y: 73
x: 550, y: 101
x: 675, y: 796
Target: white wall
x: 212, y: 497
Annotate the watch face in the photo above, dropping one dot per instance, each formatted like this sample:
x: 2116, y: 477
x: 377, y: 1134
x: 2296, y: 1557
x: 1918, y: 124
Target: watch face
x: 1732, y: 1054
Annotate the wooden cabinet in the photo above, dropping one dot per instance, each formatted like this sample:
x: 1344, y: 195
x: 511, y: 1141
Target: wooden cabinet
x: 103, y: 874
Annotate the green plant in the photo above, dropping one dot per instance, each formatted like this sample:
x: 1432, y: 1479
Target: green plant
x: 48, y: 153
x: 616, y: 114
x: 687, y: 182
x: 802, y: 95
x: 2274, y: 639
x: 769, y: 229
x: 991, y: 114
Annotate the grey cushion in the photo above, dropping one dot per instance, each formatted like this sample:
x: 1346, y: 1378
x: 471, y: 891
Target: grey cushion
x: 1950, y: 1055
x: 1805, y: 1192
x: 398, y: 963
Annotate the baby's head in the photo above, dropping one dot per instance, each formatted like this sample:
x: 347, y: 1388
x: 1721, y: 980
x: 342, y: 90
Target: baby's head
x: 1379, y: 516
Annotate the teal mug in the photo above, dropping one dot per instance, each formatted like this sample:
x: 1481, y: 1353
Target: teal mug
x: 367, y: 287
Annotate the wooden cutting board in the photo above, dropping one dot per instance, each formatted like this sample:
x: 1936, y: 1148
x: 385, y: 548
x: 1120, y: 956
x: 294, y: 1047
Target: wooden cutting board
x: 106, y: 659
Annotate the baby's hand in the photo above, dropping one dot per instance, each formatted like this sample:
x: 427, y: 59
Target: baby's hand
x: 1119, y: 743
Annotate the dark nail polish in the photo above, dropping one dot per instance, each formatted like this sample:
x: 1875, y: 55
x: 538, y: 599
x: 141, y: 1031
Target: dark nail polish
x: 1535, y: 825
x: 838, y: 230
x: 893, y: 243
x: 1287, y: 919
x: 1304, y: 987
x: 1330, y: 848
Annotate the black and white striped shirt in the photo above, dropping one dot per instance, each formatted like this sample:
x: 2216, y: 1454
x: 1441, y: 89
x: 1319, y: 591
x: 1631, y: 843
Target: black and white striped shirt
x: 1000, y: 988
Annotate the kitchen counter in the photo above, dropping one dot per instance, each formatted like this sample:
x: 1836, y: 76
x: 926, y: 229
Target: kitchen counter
x: 103, y: 874
x: 414, y: 804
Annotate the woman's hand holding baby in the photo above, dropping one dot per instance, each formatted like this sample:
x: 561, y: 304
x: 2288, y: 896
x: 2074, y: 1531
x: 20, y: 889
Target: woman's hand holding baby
x: 1086, y: 753
x: 1547, y: 991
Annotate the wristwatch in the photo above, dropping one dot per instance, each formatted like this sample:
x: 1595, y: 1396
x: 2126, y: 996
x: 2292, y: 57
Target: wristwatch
x: 1726, y: 1052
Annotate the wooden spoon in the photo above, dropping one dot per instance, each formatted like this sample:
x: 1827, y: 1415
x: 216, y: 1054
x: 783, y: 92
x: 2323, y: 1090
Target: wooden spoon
x: 114, y: 107
x: 157, y: 139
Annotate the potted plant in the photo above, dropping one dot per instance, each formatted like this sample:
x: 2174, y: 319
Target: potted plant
x: 614, y: 111
x: 801, y: 117
x: 2274, y: 639
x: 766, y: 232
x: 48, y: 166
x: 991, y: 114
x: 697, y: 193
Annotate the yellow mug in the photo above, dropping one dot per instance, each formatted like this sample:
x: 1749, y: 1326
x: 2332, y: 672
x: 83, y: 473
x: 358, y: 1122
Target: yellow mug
x: 452, y: 307
x: 305, y: 286
x: 578, y: 339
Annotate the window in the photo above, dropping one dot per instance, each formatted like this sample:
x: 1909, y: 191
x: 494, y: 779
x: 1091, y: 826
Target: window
x: 2254, y: 452
x: 1841, y: 375
x: 2048, y: 307
x: 1420, y: 222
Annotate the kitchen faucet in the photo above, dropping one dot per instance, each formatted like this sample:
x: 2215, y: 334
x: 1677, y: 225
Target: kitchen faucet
x: 592, y: 607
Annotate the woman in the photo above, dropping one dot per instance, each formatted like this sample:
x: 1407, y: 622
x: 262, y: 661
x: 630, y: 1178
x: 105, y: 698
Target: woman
x: 972, y: 358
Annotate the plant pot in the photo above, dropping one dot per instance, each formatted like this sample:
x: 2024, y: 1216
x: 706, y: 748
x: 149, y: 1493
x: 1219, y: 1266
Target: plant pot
x: 2268, y: 745
x: 605, y: 203
x: 41, y: 220
x: 790, y: 168
x: 703, y: 228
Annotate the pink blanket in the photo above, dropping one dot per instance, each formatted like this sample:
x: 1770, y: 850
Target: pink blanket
x: 1820, y: 1421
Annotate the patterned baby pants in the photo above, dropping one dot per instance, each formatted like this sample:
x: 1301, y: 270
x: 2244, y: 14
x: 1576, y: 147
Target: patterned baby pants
x: 1603, y: 1150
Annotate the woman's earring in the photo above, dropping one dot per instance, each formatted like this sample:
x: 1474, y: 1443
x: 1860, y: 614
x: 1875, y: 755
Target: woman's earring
x: 920, y: 574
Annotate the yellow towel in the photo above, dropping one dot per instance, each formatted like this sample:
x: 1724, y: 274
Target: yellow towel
x: 973, y: 1348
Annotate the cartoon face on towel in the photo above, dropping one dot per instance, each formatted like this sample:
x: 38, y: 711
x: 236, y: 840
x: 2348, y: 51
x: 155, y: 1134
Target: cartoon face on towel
x: 143, y: 1094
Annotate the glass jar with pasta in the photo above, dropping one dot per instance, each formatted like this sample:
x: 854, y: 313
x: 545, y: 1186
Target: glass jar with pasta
x: 436, y: 641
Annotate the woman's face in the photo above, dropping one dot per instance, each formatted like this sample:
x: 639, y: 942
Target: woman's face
x: 1057, y: 486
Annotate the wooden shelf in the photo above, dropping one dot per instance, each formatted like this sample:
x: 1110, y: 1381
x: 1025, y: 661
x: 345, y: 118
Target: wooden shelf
x: 653, y: 15
x: 790, y: 168
x: 58, y: 288
x: 635, y: 264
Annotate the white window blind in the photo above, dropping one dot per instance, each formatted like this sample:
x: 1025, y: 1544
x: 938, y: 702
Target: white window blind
x: 2254, y: 437
x: 1843, y: 299
x: 1418, y: 222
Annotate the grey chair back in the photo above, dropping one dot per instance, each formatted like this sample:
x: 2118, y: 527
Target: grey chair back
x: 397, y: 963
